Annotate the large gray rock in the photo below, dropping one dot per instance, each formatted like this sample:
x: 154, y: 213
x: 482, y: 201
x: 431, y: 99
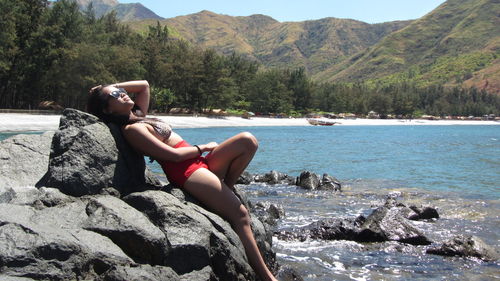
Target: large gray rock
x: 24, y: 159
x: 128, y: 228
x: 466, y: 246
x: 198, y: 238
x: 274, y: 177
x: 142, y: 272
x: 387, y: 223
x: 308, y: 180
x: 311, y: 181
x: 329, y: 183
x: 45, y: 247
x: 151, y: 235
x: 87, y: 156
x: 48, y: 234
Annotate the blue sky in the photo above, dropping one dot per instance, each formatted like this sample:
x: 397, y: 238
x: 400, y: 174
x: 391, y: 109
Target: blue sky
x: 370, y: 11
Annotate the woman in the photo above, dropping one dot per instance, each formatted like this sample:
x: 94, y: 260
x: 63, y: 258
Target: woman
x: 210, y: 179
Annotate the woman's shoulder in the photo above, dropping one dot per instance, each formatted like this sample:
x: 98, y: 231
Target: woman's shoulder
x: 137, y: 126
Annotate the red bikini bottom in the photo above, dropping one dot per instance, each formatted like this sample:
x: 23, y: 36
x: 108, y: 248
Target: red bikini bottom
x: 179, y: 172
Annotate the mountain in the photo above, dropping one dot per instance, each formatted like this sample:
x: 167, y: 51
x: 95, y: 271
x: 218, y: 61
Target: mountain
x: 315, y: 44
x: 458, y: 43
x: 125, y: 12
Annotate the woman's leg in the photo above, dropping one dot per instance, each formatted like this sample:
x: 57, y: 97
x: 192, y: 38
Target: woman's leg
x: 232, y: 157
x: 215, y: 195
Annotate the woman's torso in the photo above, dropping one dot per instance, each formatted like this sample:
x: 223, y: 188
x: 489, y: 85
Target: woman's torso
x: 171, y: 138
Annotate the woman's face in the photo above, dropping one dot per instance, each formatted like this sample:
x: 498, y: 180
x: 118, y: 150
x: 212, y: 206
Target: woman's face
x: 118, y: 102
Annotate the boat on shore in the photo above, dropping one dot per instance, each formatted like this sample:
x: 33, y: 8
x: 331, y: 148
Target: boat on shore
x: 321, y: 122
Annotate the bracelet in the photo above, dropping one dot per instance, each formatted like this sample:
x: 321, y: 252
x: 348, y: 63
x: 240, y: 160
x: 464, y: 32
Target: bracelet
x: 199, y: 150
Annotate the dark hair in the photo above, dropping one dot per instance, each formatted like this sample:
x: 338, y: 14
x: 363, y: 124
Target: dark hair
x: 97, y: 103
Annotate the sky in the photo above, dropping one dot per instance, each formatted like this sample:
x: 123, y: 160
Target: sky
x: 370, y: 11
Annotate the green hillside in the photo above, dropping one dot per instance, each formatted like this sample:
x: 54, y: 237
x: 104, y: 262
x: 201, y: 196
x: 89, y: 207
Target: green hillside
x: 456, y: 44
x: 315, y: 45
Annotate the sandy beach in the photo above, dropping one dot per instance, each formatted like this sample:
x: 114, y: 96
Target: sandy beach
x: 17, y: 122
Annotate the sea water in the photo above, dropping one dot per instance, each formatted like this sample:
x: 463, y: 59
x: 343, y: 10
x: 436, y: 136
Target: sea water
x: 453, y: 168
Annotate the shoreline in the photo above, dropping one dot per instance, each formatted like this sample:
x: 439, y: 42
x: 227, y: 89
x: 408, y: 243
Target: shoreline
x: 21, y: 122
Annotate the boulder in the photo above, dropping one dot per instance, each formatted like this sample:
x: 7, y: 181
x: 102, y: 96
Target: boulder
x: 246, y: 178
x: 49, y: 246
x: 198, y: 238
x: 87, y: 156
x: 268, y: 213
x: 386, y: 223
x: 308, y: 180
x: 24, y: 159
x: 274, y: 177
x: 287, y: 273
x: 141, y: 272
x: 49, y: 234
x: 128, y: 228
x: 150, y: 235
x: 465, y: 246
x: 423, y: 213
x: 389, y: 223
x: 327, y: 229
x: 329, y: 183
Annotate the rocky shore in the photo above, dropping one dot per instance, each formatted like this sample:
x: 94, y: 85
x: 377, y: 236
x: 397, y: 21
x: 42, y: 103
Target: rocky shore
x: 80, y: 204
x: 98, y: 213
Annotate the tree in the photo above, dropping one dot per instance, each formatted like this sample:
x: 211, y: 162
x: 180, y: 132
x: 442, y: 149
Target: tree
x: 270, y: 93
x: 162, y: 99
x: 302, y: 89
x: 23, y: 17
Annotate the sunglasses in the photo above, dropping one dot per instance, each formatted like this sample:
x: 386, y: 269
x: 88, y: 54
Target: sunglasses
x: 118, y: 93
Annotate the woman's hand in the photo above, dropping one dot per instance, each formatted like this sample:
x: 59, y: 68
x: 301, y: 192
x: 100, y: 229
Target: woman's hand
x: 93, y: 88
x: 209, y: 146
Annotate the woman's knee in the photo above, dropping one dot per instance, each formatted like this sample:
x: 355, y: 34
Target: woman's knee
x: 241, y: 216
x: 249, y: 140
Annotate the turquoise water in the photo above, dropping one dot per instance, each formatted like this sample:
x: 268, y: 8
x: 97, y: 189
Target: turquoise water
x: 461, y: 159
x: 453, y: 168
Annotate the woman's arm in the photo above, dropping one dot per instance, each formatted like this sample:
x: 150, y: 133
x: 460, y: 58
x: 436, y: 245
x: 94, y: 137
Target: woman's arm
x: 141, y: 88
x: 139, y: 137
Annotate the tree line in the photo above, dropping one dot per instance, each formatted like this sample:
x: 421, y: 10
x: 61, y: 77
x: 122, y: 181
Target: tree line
x: 55, y: 52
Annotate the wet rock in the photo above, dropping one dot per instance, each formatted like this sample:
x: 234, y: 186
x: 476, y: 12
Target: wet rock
x: 308, y: 180
x: 329, y: 183
x: 327, y: 229
x: 311, y: 181
x: 246, y: 178
x: 424, y: 213
x: 465, y: 246
x: 386, y: 223
x: 287, y: 273
x: 389, y: 223
x: 268, y: 213
x: 274, y: 177
x: 24, y: 159
x: 88, y: 155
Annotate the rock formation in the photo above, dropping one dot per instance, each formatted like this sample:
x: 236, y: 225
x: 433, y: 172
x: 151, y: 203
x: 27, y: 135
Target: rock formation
x: 99, y: 214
